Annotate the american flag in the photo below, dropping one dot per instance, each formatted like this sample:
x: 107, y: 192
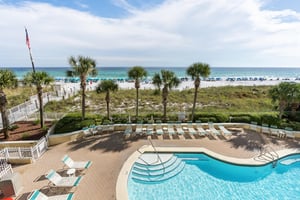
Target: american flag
x: 27, y: 39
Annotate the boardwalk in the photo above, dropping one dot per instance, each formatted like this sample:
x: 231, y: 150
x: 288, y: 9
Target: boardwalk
x: 108, y: 153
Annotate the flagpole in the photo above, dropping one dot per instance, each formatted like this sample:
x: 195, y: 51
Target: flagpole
x: 29, y: 49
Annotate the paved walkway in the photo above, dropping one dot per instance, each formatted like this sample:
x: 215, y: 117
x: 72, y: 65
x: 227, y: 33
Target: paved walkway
x: 108, y: 153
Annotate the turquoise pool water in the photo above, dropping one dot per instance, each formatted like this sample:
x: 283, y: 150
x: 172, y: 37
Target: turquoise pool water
x: 204, y: 177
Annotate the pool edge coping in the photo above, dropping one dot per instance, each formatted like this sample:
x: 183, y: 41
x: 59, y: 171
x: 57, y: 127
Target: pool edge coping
x: 121, y: 186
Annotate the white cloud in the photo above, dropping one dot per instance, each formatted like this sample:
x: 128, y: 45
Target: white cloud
x: 175, y: 33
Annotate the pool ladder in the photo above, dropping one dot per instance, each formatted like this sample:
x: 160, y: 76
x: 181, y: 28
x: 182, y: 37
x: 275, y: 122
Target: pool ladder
x: 157, y: 156
x: 267, y: 153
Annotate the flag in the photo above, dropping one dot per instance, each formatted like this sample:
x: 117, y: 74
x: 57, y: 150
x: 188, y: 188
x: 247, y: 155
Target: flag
x: 27, y: 39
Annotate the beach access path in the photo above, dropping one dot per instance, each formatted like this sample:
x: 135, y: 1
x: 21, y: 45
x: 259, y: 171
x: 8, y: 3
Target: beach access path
x: 108, y: 152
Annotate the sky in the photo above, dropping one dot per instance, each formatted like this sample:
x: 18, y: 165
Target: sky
x: 171, y: 33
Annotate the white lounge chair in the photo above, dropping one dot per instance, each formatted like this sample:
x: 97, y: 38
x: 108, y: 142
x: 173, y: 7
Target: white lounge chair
x: 149, y: 129
x: 159, y: 130
x: 171, y: 130
x: 75, y: 164
x: 212, y: 129
x: 179, y: 129
x: 139, y: 129
x: 57, y: 180
x: 225, y: 131
x: 191, y: 129
x: 38, y: 195
x: 128, y: 130
x: 200, y: 129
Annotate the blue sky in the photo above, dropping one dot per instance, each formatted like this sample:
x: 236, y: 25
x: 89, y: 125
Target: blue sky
x: 250, y: 33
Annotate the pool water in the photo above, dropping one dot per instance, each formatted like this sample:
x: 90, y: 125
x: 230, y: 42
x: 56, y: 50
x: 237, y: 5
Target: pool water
x: 204, y: 177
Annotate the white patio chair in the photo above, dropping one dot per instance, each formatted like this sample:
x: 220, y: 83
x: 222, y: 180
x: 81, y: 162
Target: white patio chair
x: 75, y: 164
x: 191, y: 129
x: 38, y: 195
x: 225, y: 131
x: 171, y: 130
x: 200, y: 129
x: 179, y: 129
x: 212, y: 129
x: 159, y: 130
x: 128, y: 131
x: 57, y: 180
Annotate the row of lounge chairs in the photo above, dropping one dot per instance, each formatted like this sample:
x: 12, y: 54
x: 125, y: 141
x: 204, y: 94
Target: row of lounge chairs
x: 177, y: 129
x: 273, y: 130
x: 56, y: 180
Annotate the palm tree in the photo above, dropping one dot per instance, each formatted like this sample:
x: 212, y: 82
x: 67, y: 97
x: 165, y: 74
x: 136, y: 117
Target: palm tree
x: 39, y: 79
x: 284, y: 93
x: 107, y: 86
x: 168, y: 80
x: 196, y: 71
x: 137, y: 73
x: 7, y: 80
x: 82, y: 67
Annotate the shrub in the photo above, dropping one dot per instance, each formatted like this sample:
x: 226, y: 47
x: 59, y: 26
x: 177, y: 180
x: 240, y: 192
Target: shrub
x: 13, y: 127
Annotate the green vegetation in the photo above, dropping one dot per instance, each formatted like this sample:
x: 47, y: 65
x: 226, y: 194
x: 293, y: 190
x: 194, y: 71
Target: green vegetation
x: 82, y: 67
x: 7, y: 80
x: 39, y: 79
x: 217, y: 104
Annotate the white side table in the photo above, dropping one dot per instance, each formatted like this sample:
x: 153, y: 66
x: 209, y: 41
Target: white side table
x: 71, y: 172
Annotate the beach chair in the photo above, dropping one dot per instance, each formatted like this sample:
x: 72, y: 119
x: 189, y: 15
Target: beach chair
x: 139, y: 129
x: 159, y: 130
x: 289, y: 133
x: 149, y: 129
x: 212, y: 129
x: 191, y: 129
x: 200, y: 129
x: 75, y: 164
x: 128, y: 131
x: 56, y: 180
x: 179, y: 129
x: 224, y: 131
x: 171, y: 129
x: 38, y: 195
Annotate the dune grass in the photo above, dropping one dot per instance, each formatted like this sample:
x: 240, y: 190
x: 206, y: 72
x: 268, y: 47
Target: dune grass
x: 216, y: 99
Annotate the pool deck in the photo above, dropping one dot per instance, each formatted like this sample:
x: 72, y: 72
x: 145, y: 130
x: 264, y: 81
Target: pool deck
x: 109, y: 152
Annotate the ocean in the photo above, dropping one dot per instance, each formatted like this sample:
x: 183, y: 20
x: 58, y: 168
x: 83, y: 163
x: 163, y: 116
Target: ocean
x: 216, y: 72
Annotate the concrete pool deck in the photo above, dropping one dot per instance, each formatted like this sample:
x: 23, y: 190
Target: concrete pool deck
x: 108, y: 152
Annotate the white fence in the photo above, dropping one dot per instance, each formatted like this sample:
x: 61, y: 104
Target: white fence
x: 5, y: 168
x: 61, y: 91
x: 25, y: 152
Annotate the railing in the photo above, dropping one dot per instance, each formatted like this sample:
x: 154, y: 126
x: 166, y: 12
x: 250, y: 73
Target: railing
x: 25, y: 152
x: 5, y: 168
x: 157, y: 154
x: 267, y: 153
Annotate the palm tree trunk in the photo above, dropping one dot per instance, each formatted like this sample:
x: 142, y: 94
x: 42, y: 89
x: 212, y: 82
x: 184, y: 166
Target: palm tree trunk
x: 137, y: 103
x: 83, y: 87
x: 194, y: 103
x: 281, y: 109
x: 107, y: 99
x: 41, y: 108
x: 165, y: 101
x: 4, y: 116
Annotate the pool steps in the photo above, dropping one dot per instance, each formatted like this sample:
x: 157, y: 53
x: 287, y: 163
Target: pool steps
x: 290, y: 161
x: 153, y: 170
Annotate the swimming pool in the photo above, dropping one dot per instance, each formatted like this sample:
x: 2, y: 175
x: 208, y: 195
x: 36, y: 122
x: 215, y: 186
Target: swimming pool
x: 204, y: 177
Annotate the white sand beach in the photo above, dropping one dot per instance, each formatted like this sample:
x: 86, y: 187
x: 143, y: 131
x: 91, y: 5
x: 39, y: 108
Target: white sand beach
x: 204, y: 84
